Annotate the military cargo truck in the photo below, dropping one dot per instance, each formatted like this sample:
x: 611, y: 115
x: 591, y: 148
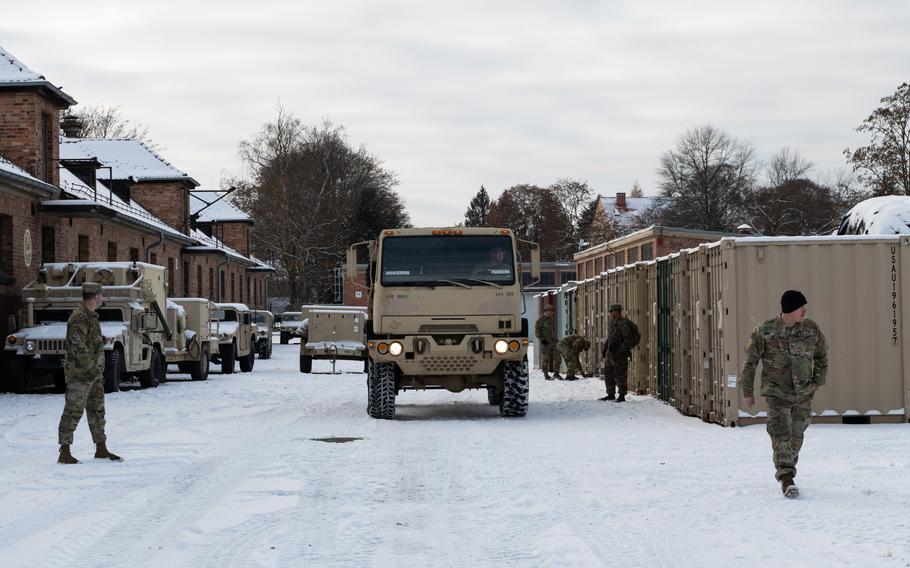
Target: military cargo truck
x: 263, y: 321
x: 192, y: 343
x: 445, y: 311
x: 332, y: 332
x: 133, y: 323
x: 232, y: 324
x: 289, y: 326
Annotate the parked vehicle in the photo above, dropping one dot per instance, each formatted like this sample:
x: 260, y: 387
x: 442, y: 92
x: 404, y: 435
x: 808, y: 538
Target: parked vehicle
x: 263, y: 320
x: 193, y: 341
x: 289, y: 326
x: 232, y: 324
x: 334, y: 333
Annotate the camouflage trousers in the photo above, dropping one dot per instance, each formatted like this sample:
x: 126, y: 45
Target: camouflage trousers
x: 787, y: 423
x: 549, y: 358
x: 616, y: 374
x: 82, y: 397
x: 571, y: 359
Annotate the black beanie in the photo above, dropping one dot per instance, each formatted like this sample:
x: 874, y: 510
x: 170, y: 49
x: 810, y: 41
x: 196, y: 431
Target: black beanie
x: 791, y: 301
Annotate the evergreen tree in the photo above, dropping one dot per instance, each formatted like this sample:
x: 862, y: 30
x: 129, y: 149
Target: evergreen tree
x: 476, y: 215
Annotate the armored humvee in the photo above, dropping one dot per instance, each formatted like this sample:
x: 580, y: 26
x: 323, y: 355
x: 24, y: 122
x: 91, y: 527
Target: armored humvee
x: 133, y: 323
x: 192, y: 344
x: 332, y: 332
x: 289, y: 326
x: 263, y: 320
x: 445, y: 311
x: 232, y: 324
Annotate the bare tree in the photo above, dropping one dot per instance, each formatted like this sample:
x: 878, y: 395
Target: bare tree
x: 787, y: 165
x: 573, y: 195
x: 100, y: 121
x: 636, y: 190
x: 884, y: 164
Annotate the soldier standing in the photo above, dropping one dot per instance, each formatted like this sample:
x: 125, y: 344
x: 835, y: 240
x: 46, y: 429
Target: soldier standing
x: 83, y: 369
x: 569, y: 347
x: 545, y: 331
x: 794, y: 364
x: 622, y: 337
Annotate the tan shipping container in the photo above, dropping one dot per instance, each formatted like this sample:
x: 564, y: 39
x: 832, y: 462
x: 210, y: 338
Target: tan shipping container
x: 682, y: 335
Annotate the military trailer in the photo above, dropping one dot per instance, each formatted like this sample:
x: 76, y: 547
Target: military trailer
x: 332, y: 332
x: 445, y: 311
x: 289, y: 326
x: 133, y: 323
x: 263, y: 320
x: 232, y: 324
x: 193, y: 343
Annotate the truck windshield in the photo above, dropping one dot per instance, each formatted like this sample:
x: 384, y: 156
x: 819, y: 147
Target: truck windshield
x: 43, y: 317
x: 259, y: 318
x: 290, y: 316
x: 447, y: 260
x: 224, y: 315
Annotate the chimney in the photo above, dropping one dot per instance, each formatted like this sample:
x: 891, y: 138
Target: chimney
x: 72, y: 126
x: 621, y: 201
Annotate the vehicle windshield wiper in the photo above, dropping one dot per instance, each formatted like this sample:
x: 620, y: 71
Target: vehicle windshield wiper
x: 453, y: 282
x: 485, y: 282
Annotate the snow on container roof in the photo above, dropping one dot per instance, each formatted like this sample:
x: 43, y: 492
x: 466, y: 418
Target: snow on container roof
x: 128, y: 158
x: 15, y: 74
x: 221, y: 210
x: 886, y: 215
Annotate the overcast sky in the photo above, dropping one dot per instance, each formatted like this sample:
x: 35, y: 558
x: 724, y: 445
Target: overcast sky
x: 452, y: 95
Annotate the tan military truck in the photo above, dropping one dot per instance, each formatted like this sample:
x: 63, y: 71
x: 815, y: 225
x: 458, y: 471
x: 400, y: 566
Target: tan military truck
x: 192, y: 342
x: 334, y: 333
x: 289, y: 326
x: 445, y: 311
x: 232, y: 324
x: 263, y: 321
x: 133, y: 323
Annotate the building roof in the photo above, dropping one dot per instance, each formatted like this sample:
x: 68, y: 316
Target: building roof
x: 220, y: 211
x: 649, y: 232
x: 15, y: 74
x: 127, y: 158
x: 627, y: 216
x: 14, y: 173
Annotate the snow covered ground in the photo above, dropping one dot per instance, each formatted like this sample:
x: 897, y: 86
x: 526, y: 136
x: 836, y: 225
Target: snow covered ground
x: 226, y: 473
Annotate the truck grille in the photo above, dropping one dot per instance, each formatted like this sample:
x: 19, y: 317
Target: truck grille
x: 450, y: 363
x: 51, y: 345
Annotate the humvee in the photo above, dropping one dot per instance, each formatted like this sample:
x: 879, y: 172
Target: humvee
x: 289, y: 326
x: 133, y: 323
x: 193, y: 343
x: 332, y: 332
x: 263, y: 320
x: 445, y: 311
x: 232, y: 324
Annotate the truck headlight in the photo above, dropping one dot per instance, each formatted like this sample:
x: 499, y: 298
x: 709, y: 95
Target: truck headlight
x: 396, y: 349
x: 501, y: 346
x: 29, y: 345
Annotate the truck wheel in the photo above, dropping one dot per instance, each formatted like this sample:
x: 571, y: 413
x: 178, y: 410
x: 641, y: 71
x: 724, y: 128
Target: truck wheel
x: 381, y: 390
x: 199, y: 370
x: 266, y: 351
x: 306, y: 363
x: 162, y: 378
x: 285, y: 337
x: 112, y: 362
x: 18, y: 374
x: 246, y: 362
x: 149, y: 377
x: 227, y: 358
x: 493, y: 396
x: 514, y: 388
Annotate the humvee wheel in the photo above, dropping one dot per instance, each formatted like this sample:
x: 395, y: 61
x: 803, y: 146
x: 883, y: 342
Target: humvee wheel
x: 247, y: 361
x: 149, y: 377
x: 381, y: 390
x: 199, y: 370
x: 514, y: 388
x: 285, y: 337
x: 227, y: 358
x: 493, y: 396
x: 112, y: 363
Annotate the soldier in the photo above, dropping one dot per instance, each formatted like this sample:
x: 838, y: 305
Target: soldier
x: 83, y: 369
x: 569, y: 347
x: 623, y: 336
x: 545, y: 331
x: 794, y: 364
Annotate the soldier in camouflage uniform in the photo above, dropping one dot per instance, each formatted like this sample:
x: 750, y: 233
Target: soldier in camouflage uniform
x: 569, y: 347
x: 83, y: 369
x: 794, y: 364
x: 545, y: 331
x: 623, y: 336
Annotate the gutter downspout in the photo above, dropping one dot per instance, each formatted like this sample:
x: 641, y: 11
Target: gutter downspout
x: 148, y: 249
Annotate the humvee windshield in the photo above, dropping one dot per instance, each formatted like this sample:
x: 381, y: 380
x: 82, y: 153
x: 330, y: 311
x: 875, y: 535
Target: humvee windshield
x: 259, y: 318
x: 43, y: 317
x: 447, y: 260
x: 290, y: 316
x: 224, y: 315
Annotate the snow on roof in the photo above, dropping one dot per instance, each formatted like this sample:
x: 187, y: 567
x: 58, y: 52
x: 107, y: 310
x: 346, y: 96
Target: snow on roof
x: 232, y: 306
x: 128, y: 158
x: 11, y: 168
x: 207, y: 244
x: 634, y: 205
x: 14, y: 73
x: 222, y: 210
x: 887, y: 215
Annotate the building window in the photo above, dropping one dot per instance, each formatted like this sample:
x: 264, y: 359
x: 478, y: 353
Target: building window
x: 566, y: 277
x: 598, y: 265
x: 171, y: 276
x: 211, y: 283
x: 82, y: 254
x: 134, y: 255
x: 647, y: 252
x: 589, y: 269
x: 609, y: 262
x: 48, y: 244
x: 111, y: 251
x: 153, y: 258
x: 240, y: 283
x: 249, y: 290
x: 619, y: 258
x: 199, y: 281
x: 633, y: 255
x: 232, y: 286
x: 6, y: 245
x: 46, y: 151
x: 222, y: 279
x: 547, y: 278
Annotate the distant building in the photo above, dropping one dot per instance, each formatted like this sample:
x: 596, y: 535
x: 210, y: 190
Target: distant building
x: 625, y: 213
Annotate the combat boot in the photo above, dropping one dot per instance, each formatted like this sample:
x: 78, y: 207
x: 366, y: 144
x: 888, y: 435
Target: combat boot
x: 621, y: 398
x: 788, y: 487
x: 66, y: 456
x: 547, y: 377
x: 101, y: 452
x: 608, y: 397
x: 558, y: 377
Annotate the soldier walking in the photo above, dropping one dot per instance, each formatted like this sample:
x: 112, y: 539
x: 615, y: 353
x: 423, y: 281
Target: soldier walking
x: 83, y: 369
x: 569, y: 347
x: 794, y: 364
x: 622, y: 337
x: 545, y: 331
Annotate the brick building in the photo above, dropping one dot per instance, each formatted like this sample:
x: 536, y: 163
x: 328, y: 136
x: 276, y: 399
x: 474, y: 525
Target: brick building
x: 67, y: 199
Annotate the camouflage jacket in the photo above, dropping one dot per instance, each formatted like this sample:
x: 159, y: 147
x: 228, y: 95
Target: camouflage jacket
x: 622, y: 336
x: 794, y: 360
x: 545, y: 331
x: 84, y: 346
x: 573, y: 344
